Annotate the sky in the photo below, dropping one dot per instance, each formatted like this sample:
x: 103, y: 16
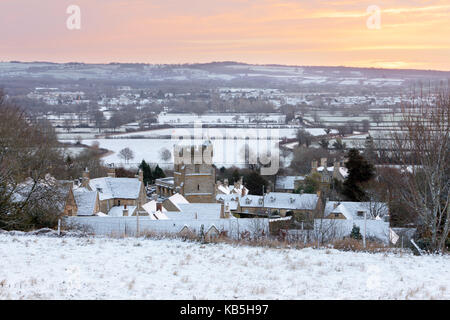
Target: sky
x: 410, y: 34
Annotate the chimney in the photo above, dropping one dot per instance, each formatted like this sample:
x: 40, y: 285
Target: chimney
x: 125, y: 210
x: 336, y: 168
x: 227, y: 212
x: 141, y: 175
x: 85, y: 179
x: 323, y: 162
x: 225, y: 182
x: 314, y: 165
x: 159, y: 206
x: 222, y: 211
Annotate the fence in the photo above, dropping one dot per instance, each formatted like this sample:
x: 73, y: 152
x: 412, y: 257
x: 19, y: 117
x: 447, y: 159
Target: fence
x: 118, y: 226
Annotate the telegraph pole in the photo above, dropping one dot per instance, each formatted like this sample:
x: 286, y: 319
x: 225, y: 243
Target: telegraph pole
x: 365, y: 228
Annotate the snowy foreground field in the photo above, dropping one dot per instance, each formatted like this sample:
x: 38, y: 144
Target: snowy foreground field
x: 40, y: 267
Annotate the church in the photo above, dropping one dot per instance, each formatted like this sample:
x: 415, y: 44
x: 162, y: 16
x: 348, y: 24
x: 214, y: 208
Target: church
x: 194, y: 175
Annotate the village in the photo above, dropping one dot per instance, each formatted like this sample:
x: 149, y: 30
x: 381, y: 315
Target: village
x: 193, y: 199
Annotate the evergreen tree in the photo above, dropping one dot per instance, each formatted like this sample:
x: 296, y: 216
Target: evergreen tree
x: 158, y: 173
x: 254, y: 182
x: 235, y: 176
x: 147, y: 171
x: 355, y: 234
x: 360, y: 171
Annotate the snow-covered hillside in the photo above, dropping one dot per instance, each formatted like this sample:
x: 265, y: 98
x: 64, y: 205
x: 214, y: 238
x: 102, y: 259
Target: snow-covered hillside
x: 33, y: 267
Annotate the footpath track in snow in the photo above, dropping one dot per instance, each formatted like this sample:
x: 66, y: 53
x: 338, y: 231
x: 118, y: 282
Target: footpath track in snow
x: 41, y: 267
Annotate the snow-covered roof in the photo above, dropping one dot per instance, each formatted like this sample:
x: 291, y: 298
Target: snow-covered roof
x: 287, y: 182
x: 196, y: 210
x: 355, y: 210
x: 118, y: 211
x: 113, y: 188
x: 178, y: 199
x: 280, y: 200
x: 150, y: 207
x: 231, y: 200
x: 85, y: 201
x: 342, y: 170
x: 230, y: 189
x: 158, y: 215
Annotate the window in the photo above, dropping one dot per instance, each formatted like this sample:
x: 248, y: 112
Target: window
x: 360, y: 213
x: 118, y: 202
x: 198, y: 187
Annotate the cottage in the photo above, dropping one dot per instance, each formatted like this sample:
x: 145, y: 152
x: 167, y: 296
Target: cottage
x: 356, y: 210
x: 115, y: 196
x: 282, y: 204
x: 338, y: 171
x: 288, y: 183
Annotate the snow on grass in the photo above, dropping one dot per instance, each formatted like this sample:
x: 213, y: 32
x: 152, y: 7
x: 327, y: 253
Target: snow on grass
x: 34, y: 267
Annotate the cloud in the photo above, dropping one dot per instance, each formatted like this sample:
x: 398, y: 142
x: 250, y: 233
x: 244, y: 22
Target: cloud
x: 261, y: 31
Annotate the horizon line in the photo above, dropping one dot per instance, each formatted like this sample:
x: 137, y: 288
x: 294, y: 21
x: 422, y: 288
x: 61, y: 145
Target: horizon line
x: 224, y: 61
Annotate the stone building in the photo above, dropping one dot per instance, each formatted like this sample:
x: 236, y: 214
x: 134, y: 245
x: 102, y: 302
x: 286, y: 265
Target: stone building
x: 278, y: 203
x: 194, y: 175
x: 338, y: 171
x: 110, y: 195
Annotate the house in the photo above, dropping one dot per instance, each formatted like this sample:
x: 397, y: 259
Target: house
x: 171, y: 203
x: 288, y: 183
x: 196, y: 211
x: 47, y: 193
x: 122, y: 211
x: 230, y: 201
x: 82, y: 202
x: 338, y: 171
x: 155, y: 210
x: 283, y: 204
x: 114, y: 196
x: 237, y: 188
x: 356, y: 210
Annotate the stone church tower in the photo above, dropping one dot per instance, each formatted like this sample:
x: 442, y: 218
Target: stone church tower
x: 194, y: 174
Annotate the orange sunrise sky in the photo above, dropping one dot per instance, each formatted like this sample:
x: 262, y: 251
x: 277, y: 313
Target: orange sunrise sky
x: 414, y: 34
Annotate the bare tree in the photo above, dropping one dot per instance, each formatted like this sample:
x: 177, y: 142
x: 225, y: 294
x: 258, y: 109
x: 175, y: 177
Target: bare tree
x: 126, y: 154
x: 304, y: 138
x: 165, y: 154
x: 422, y: 147
x: 28, y: 153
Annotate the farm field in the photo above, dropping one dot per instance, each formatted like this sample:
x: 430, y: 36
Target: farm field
x: 40, y: 267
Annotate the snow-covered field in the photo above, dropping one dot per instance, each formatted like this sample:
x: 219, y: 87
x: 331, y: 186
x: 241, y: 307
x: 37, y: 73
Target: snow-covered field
x: 226, y: 152
x: 38, y: 267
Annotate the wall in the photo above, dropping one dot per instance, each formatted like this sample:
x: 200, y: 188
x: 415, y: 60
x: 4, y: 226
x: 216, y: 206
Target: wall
x: 337, y: 228
x: 127, y: 225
